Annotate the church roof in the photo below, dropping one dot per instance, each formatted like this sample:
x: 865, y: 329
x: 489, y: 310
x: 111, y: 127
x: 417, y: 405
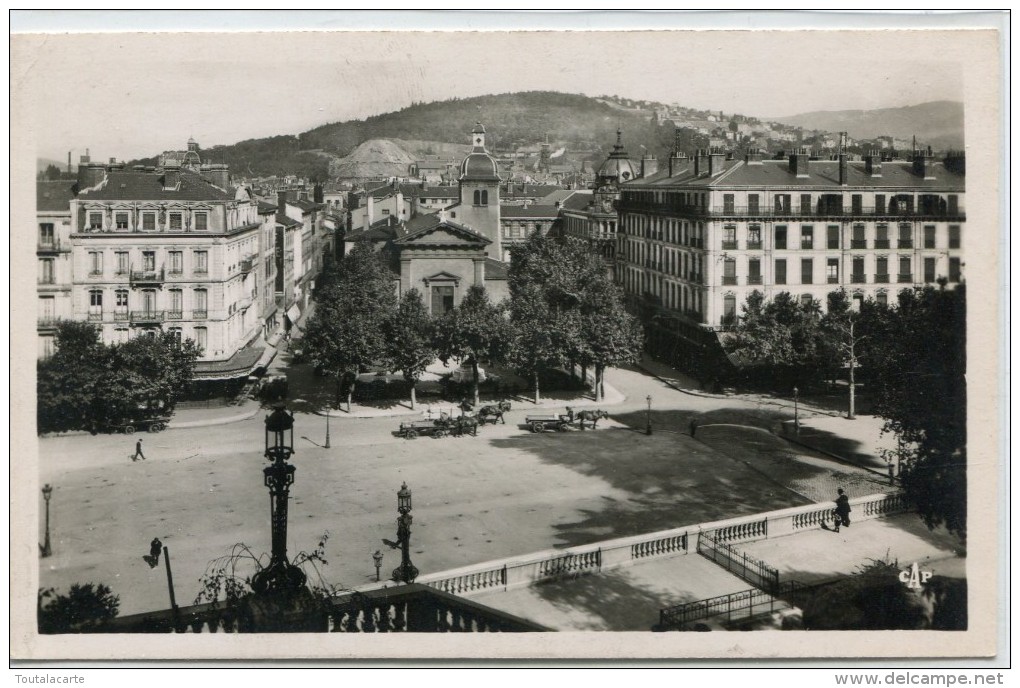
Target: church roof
x: 479, y: 166
x: 422, y: 225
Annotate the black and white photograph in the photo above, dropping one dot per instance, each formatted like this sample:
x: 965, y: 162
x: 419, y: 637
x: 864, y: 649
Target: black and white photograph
x: 581, y: 343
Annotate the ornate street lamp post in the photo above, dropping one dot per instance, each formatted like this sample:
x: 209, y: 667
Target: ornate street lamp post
x: 46, y: 550
x: 406, y: 572
x: 648, y: 426
x: 280, y: 577
x: 327, y: 428
x: 796, y: 411
x: 377, y: 558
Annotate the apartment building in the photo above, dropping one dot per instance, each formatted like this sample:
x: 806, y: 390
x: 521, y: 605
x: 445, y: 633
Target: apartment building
x: 53, y: 253
x: 173, y: 249
x: 696, y: 238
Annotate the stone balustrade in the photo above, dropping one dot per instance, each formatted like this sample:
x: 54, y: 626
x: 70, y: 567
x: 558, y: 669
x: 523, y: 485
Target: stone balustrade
x: 554, y: 564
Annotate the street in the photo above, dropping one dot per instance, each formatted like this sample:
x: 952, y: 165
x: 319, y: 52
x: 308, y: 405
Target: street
x: 506, y: 492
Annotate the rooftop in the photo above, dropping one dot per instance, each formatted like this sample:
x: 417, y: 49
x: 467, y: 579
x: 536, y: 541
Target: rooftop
x: 53, y: 196
x: 134, y: 185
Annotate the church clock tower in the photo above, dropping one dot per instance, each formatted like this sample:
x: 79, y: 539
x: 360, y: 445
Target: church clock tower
x: 479, y: 193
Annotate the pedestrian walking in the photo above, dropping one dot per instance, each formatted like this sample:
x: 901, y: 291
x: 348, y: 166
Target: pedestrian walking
x: 155, y: 549
x: 694, y: 426
x: 138, y: 451
x: 842, y: 513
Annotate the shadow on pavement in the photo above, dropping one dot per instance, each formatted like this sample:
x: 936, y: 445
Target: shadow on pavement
x: 667, y: 480
x: 608, y: 598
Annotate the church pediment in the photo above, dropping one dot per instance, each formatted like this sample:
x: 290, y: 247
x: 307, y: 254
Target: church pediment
x: 442, y: 276
x: 441, y: 233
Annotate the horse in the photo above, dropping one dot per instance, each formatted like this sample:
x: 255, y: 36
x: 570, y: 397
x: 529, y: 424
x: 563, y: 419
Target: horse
x: 593, y: 416
x: 465, y: 424
x: 495, y: 412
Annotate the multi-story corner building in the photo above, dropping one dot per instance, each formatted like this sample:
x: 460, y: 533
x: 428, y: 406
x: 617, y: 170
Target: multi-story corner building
x: 170, y: 249
x: 696, y: 238
x: 309, y: 248
x: 53, y: 251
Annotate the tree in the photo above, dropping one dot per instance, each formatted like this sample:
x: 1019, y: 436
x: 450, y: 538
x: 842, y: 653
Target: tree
x: 916, y: 362
x: 149, y: 373
x: 537, y: 334
x: 780, y: 333
x: 842, y: 339
x: 88, y: 385
x: 607, y: 335
x: 409, y: 339
x: 68, y: 382
x: 476, y: 329
x: 347, y: 331
x: 83, y: 609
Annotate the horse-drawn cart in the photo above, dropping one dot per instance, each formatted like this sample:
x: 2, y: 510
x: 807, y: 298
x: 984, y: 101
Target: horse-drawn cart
x: 564, y: 421
x: 427, y: 428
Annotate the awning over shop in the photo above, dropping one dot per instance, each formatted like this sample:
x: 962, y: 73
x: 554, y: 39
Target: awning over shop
x: 294, y: 313
x: 239, y: 365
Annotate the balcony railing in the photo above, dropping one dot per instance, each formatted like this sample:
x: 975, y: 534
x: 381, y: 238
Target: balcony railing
x: 247, y: 265
x: 754, y: 279
x: 905, y: 243
x: 905, y: 278
x: 199, y: 315
x: 55, y: 246
x: 881, y: 243
x: 832, y: 279
x: 46, y: 279
x: 729, y: 279
x: 753, y: 245
x: 174, y: 315
x: 729, y: 245
x: 47, y: 321
x: 148, y: 316
x: 120, y: 316
x: 858, y: 243
x: 882, y: 278
x: 858, y: 279
x: 201, y: 271
x: 95, y: 317
x: 148, y: 276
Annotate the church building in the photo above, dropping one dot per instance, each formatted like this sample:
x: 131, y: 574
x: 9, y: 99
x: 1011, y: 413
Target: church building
x: 442, y: 255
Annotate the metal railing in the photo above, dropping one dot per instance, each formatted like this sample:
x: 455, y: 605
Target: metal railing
x: 199, y: 315
x: 147, y: 316
x: 148, y: 276
x: 800, y: 211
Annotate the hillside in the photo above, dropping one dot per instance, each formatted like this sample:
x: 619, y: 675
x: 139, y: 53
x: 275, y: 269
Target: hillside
x: 938, y: 124
x: 374, y: 158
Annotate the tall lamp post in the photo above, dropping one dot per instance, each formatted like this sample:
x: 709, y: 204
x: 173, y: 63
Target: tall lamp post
x: 280, y: 577
x: 406, y: 572
x: 327, y: 428
x: 377, y: 558
x: 46, y: 550
x: 796, y: 411
x: 648, y: 424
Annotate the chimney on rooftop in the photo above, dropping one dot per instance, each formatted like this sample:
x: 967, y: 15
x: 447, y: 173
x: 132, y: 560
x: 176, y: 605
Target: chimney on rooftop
x: 715, y: 161
x: 700, y: 161
x: 922, y: 163
x: 753, y: 156
x: 649, y: 165
x: 873, y: 164
x: 90, y: 173
x: 799, y: 162
x: 216, y: 174
x: 842, y: 159
x: 171, y: 175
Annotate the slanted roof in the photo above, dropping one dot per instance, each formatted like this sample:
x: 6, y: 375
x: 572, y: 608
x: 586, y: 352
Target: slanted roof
x: 282, y: 219
x: 132, y: 185
x: 442, y: 231
x: 54, y: 196
x: 579, y: 200
x: 266, y: 208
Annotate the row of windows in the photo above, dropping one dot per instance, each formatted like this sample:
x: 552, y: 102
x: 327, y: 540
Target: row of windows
x: 833, y: 236
x: 832, y: 268
x: 174, y: 221
x: 671, y: 230
x: 200, y: 335
x: 804, y: 203
x: 676, y: 296
x: 520, y: 230
x: 146, y: 301
x: 123, y: 265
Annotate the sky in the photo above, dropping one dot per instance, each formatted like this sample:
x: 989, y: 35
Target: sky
x: 131, y: 94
